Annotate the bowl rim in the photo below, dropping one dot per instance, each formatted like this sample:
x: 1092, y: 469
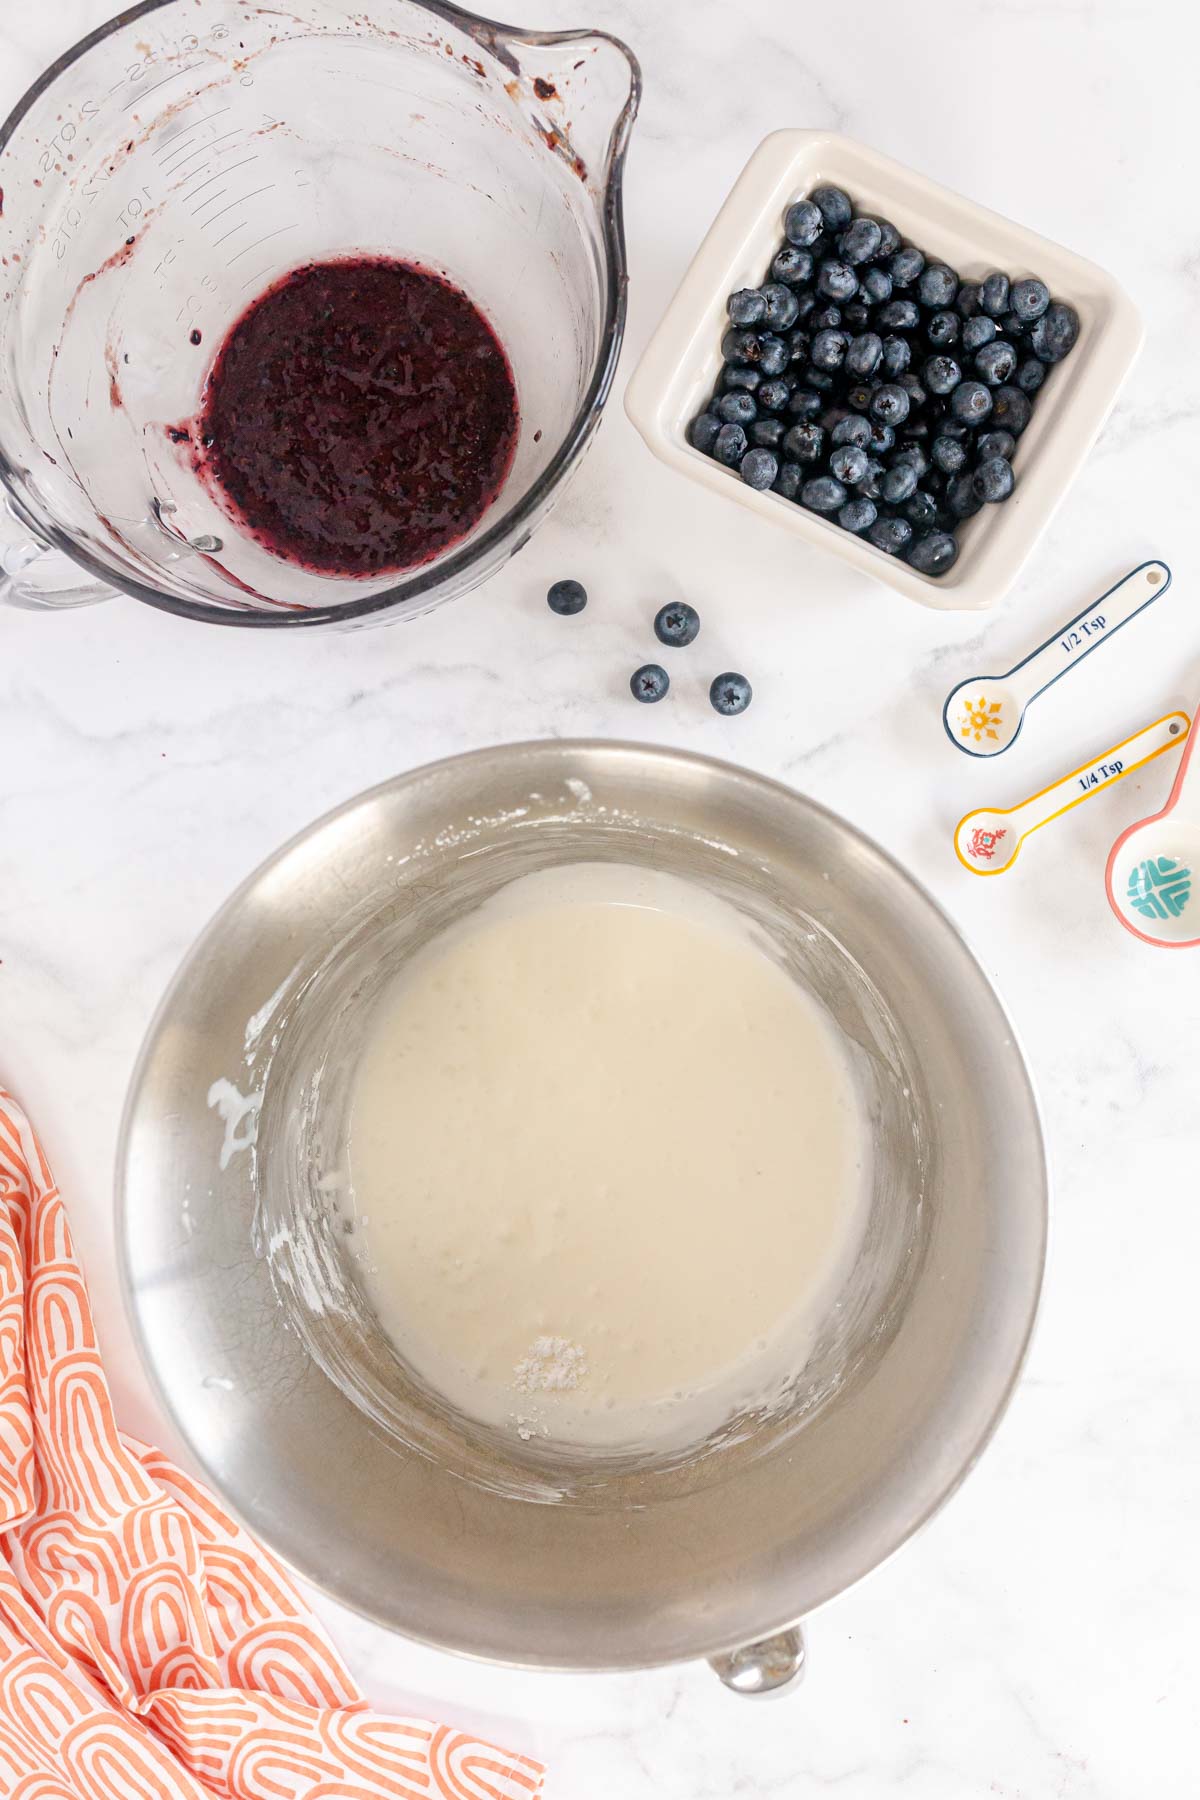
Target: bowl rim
x: 785, y: 165
x: 494, y: 39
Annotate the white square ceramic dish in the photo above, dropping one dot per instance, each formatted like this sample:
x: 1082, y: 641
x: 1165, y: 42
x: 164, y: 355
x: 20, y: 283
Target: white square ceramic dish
x: 680, y: 364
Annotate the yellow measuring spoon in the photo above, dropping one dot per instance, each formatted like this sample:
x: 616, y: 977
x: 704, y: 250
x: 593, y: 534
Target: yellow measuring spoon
x: 987, y: 840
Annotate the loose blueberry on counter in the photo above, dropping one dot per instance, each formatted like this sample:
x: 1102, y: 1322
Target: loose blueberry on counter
x: 802, y: 223
x: 834, y: 205
x: 977, y: 332
x: 891, y: 535
x: 1030, y: 375
x: 703, y: 432
x: 942, y: 329
x: 993, y: 480
x: 993, y: 294
x: 933, y: 553
x: 804, y: 443
x: 759, y: 468
x: 677, y: 624
x: 649, y: 683
x: 836, y: 280
x: 566, y: 598
x: 853, y: 429
x: 971, y: 402
x: 857, y: 514
x: 995, y: 443
x: 730, y: 693
x: 1054, y: 334
x: 906, y: 265
x: 1029, y: 298
x: 942, y: 374
x: 996, y: 362
x: 938, y: 285
x: 860, y: 241
x: 1011, y: 409
x: 849, y: 464
x: 890, y: 404
x: 948, y: 453
x: 736, y: 408
x: 782, y: 308
x: 823, y: 494
x: 747, y: 307
x: 792, y: 265
x: 729, y: 445
x: 898, y: 484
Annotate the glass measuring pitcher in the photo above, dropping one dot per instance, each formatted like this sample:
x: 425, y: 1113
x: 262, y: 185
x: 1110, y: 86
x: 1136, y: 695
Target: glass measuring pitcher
x: 178, y: 161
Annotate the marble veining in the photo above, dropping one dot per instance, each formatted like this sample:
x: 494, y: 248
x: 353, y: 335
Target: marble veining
x: 1038, y: 1640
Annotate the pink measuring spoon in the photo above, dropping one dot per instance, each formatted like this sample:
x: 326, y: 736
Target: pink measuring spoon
x: 1153, y: 873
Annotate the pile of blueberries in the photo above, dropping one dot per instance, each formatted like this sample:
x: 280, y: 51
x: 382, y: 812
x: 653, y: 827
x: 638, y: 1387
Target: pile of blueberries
x: 874, y: 386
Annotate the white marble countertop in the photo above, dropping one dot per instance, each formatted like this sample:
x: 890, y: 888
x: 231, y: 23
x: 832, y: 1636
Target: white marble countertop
x: 1039, y: 1639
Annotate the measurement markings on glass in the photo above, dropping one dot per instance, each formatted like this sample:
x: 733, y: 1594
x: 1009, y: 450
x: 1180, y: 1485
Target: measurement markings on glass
x: 144, y: 93
x: 278, y: 232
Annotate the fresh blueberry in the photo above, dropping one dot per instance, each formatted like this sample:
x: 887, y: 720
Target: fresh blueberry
x: 1011, y: 410
x: 882, y: 437
x: 1013, y: 327
x: 857, y: 514
x: 849, y: 464
x: 829, y: 349
x: 996, y: 362
x: 781, y: 306
x: 1054, y: 334
x: 942, y: 329
x: 892, y: 535
x: 916, y: 428
x: 852, y: 430
x: 994, y: 443
x: 834, y: 205
x: 799, y: 344
x: 898, y: 484
x: 649, y: 683
x: 747, y: 307
x: 736, y: 375
x: 868, y: 487
x: 968, y: 299
x: 962, y: 498
x: 941, y: 374
x: 759, y: 468
x: 676, y: 625
x: 741, y: 347
x: 792, y: 265
x: 977, y: 332
x: 865, y: 354
x: 823, y: 494
x: 821, y: 379
x: 933, y: 553
x: 910, y: 456
x: 805, y: 300
x: 1030, y: 375
x: 876, y: 287
x: 731, y: 693
x: 822, y: 246
x: 993, y: 294
x: 703, y: 432
x: 836, y: 280
x: 889, y: 238
x: 860, y: 241
x: 566, y: 598
x: 993, y: 480
x: 900, y: 315
x: 971, y: 402
x: 953, y: 428
x: 1029, y: 298
x: 859, y: 396
x: 937, y: 286
x: 949, y: 455
x: 905, y: 266
x: 804, y: 443
x: 897, y: 354
x: 911, y: 385
x: 921, y: 510
x: 729, y: 445
x: 805, y: 404
x: 767, y: 434
x: 789, y: 479
x: 736, y: 408
x: 772, y: 396
x: 773, y: 354
x: 826, y: 318
x: 890, y: 404
x: 857, y: 315
x: 802, y: 223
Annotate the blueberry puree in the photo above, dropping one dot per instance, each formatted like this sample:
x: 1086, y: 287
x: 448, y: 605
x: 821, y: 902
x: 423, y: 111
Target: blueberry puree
x: 359, y: 417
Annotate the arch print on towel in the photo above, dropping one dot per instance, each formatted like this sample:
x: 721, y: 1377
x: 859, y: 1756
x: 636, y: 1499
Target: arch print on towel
x: 147, y: 1646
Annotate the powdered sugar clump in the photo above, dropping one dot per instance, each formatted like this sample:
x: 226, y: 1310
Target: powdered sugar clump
x: 551, y: 1365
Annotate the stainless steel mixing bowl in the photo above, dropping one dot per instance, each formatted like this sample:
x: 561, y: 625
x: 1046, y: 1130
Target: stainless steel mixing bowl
x: 264, y: 1350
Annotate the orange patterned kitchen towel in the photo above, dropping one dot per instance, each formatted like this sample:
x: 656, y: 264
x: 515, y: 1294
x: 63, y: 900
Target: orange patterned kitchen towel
x: 149, y: 1650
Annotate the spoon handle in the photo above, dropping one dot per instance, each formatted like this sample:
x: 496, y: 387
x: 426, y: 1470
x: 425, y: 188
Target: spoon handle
x: 1116, y: 763
x: 1089, y: 629
x: 1184, y: 801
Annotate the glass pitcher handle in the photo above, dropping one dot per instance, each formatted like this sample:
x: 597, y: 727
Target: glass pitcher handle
x: 34, y: 575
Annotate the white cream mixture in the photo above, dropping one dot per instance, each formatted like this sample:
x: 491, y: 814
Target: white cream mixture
x: 606, y: 1160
